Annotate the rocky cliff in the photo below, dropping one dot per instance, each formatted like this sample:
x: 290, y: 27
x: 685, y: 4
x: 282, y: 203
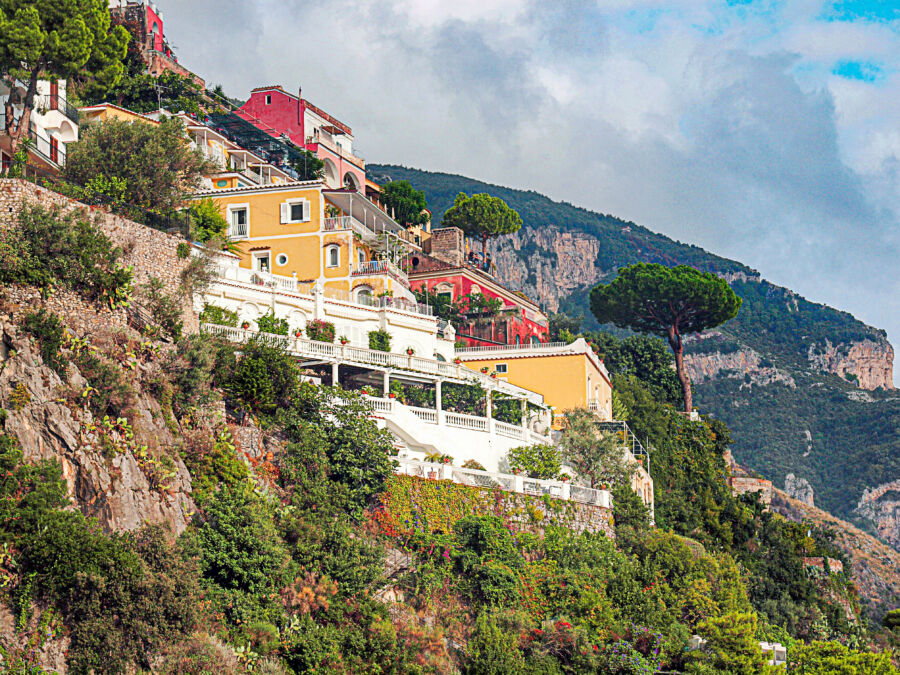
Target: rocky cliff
x: 869, y: 363
x: 745, y: 364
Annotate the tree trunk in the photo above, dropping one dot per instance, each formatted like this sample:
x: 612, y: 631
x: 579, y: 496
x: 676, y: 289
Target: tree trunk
x: 484, y: 241
x: 678, y: 348
x: 19, y: 129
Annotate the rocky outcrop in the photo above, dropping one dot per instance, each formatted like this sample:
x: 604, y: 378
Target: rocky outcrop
x: 799, y: 489
x: 745, y: 361
x: 548, y: 263
x: 881, y: 506
x: 111, y: 485
x: 871, y: 363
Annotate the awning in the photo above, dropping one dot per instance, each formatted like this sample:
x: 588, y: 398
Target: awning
x: 363, y: 209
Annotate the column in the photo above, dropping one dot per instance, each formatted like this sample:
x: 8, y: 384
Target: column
x: 524, y: 413
x: 489, y: 411
x: 387, y: 383
x: 437, y: 395
x: 334, y: 374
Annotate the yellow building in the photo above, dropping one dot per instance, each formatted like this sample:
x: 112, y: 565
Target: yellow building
x: 103, y: 112
x: 568, y: 376
x: 304, y: 232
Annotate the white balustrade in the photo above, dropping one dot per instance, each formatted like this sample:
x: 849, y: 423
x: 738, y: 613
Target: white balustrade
x: 510, y: 431
x: 504, y: 481
x: 425, y: 414
x: 466, y: 421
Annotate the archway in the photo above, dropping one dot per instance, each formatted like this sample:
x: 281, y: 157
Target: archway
x: 331, y: 175
x: 351, y: 182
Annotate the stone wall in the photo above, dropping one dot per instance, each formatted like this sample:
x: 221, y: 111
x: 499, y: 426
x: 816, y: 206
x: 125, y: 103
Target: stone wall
x: 150, y: 252
x: 743, y: 484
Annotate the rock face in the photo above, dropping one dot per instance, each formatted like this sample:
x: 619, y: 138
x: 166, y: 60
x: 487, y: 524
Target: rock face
x: 745, y: 361
x: 547, y: 263
x: 799, y: 489
x: 872, y: 363
x: 881, y: 506
x: 114, y: 489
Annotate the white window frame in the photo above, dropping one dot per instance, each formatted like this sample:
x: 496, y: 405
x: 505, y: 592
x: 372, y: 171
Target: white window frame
x: 278, y: 258
x: 328, y: 251
x: 268, y: 99
x: 501, y: 368
x: 229, y: 210
x: 286, y: 211
x: 256, y: 255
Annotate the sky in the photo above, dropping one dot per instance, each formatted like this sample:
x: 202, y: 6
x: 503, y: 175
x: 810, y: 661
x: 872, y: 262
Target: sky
x: 764, y: 131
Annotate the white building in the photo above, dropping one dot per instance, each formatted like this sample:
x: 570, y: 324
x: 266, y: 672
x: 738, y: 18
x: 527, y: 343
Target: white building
x: 53, y: 124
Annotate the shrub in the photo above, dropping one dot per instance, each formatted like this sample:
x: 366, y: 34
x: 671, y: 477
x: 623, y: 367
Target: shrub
x: 463, y: 398
x: 165, y: 309
x: 321, y: 331
x: 48, y: 248
x: 219, y: 316
x: 48, y: 330
x: 269, y: 323
x: 207, y: 222
x: 472, y: 464
x: 200, y: 363
x: 379, y: 340
x: 264, y: 378
x: 537, y: 461
x: 19, y: 397
x: 183, y: 250
x: 109, y: 393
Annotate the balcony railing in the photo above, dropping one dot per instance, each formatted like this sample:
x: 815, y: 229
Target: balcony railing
x: 630, y: 442
x: 522, y: 347
x: 506, y: 482
x: 50, y: 150
x: 263, y: 279
x: 370, y: 357
x: 374, y: 267
x: 238, y: 230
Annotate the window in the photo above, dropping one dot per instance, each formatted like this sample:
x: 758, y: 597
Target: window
x: 446, y: 295
x: 333, y: 256
x: 261, y: 262
x: 281, y: 259
x: 501, y: 368
x: 518, y: 339
x: 54, y: 149
x: 364, y: 295
x: 295, y: 211
x: 268, y: 99
x: 360, y: 256
x: 239, y: 221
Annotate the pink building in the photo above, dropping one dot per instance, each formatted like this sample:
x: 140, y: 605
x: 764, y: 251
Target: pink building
x: 277, y: 111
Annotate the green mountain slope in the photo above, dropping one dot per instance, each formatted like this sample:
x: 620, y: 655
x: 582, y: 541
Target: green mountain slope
x: 785, y: 375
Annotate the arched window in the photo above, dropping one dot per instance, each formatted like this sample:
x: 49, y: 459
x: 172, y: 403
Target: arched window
x: 333, y: 256
x: 518, y: 339
x: 364, y: 295
x: 534, y: 340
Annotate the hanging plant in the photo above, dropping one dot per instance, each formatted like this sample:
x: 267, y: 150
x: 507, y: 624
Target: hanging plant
x: 410, y: 351
x: 245, y: 325
x: 457, y: 360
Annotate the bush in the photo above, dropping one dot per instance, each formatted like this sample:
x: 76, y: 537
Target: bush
x: 158, y: 168
x: 264, y: 378
x: 199, y: 364
x: 321, y: 331
x: 47, y: 328
x: 269, y: 323
x: 207, y: 222
x: 379, y: 340
x: 109, y: 393
x: 49, y: 248
x: 165, y: 309
x: 218, y: 316
x: 183, y: 250
x: 536, y: 461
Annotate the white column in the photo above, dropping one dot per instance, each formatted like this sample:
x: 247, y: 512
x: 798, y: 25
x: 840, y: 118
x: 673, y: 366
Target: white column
x: 437, y: 396
x: 334, y: 374
x: 319, y: 302
x: 524, y: 413
x: 489, y: 411
x: 387, y: 382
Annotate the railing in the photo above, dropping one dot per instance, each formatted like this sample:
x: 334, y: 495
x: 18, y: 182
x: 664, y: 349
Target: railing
x: 521, y: 347
x: 333, y: 352
x: 425, y: 414
x: 264, y: 279
x: 507, y: 482
x: 465, y: 421
x: 391, y: 302
x: 238, y: 230
x: 630, y: 442
x: 57, y: 102
x: 374, y: 267
x: 511, y: 431
x: 252, y: 176
x: 44, y: 147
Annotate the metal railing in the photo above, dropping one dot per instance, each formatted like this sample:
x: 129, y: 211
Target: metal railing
x: 238, y: 230
x: 491, y: 480
x: 369, y: 357
x: 374, y: 267
x: 630, y: 442
x: 57, y: 102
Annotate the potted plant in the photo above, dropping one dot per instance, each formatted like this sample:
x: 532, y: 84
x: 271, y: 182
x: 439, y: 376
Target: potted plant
x: 446, y: 459
x: 245, y: 325
x: 344, y: 339
x: 392, y: 395
x: 457, y: 360
x: 410, y: 351
x: 485, y: 369
x: 364, y: 391
x: 564, y: 478
x: 298, y: 333
x: 494, y: 375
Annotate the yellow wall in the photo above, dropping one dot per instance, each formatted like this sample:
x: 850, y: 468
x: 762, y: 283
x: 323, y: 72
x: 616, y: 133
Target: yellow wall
x: 111, y: 113
x: 561, y: 379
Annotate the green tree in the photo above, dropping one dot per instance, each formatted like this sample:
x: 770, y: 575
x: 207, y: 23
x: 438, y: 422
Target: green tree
x: 158, y: 166
x: 666, y: 301
x: 731, y: 645
x: 207, y: 222
x: 599, y: 456
x: 54, y: 39
x: 563, y: 327
x: 406, y: 204
x: 833, y: 658
x: 308, y: 166
x: 482, y: 216
x: 537, y: 461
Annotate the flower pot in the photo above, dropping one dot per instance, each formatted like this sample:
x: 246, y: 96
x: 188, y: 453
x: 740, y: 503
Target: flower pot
x: 410, y: 352
x: 298, y: 333
x: 392, y: 395
x: 245, y: 325
x: 457, y: 361
x: 493, y: 376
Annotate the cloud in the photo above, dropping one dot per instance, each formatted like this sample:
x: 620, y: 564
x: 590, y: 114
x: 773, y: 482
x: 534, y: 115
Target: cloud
x: 764, y: 131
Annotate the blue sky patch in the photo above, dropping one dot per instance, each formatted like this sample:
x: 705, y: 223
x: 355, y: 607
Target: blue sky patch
x: 865, y: 71
x: 862, y: 10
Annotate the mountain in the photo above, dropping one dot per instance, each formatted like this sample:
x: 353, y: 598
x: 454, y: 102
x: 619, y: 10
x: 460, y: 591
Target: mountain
x: 806, y: 389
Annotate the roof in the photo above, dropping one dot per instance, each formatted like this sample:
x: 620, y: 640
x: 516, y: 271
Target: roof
x: 279, y: 187
x: 101, y: 106
x: 525, y: 351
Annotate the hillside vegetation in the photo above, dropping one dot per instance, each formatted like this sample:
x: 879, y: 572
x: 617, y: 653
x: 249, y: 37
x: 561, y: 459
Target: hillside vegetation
x: 771, y: 399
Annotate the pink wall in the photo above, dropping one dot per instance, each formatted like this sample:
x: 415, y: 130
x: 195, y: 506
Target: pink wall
x: 284, y: 113
x: 153, y: 19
